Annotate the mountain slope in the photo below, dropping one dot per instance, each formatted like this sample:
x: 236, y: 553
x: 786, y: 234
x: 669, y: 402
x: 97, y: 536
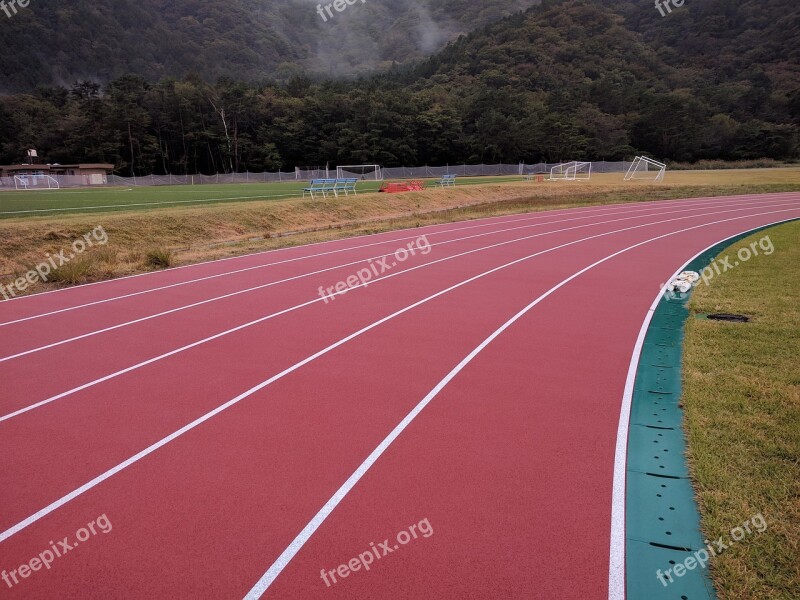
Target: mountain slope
x: 55, y: 42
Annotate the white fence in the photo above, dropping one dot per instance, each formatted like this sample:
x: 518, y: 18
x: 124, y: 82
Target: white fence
x: 306, y: 175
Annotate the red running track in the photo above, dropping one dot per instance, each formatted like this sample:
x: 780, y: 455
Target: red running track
x: 228, y: 432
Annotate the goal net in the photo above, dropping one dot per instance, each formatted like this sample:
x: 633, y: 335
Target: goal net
x: 646, y: 169
x: 35, y: 182
x: 572, y: 171
x: 363, y: 172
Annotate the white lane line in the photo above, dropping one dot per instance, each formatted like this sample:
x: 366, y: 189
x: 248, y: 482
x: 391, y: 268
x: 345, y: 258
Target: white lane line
x: 300, y: 540
x: 199, y: 421
x: 271, y: 284
x: 330, y: 252
x: 74, y: 390
x: 616, y: 568
x: 291, y: 260
x: 433, y: 228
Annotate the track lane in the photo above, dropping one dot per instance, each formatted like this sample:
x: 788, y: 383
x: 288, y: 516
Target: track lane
x: 511, y: 462
x: 166, y: 397
x: 156, y: 407
x: 109, y: 312
x: 131, y: 310
x: 147, y: 339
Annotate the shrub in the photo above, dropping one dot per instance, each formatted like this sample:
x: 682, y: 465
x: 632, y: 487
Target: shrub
x: 159, y: 258
x: 76, y: 271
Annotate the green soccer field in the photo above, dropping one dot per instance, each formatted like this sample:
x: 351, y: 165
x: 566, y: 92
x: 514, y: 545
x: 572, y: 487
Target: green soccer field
x: 15, y: 204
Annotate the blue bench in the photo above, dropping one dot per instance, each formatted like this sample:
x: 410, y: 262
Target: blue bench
x: 334, y: 186
x: 447, y: 181
x: 346, y: 186
x: 320, y: 186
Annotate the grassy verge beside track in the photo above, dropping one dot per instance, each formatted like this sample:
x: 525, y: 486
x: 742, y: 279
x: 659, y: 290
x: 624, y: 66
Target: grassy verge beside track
x: 141, y: 240
x: 742, y: 401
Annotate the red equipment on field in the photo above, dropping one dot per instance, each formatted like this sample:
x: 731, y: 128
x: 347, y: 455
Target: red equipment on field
x: 403, y: 186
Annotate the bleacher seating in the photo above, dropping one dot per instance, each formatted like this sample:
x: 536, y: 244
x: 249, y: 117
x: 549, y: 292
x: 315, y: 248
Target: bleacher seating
x: 346, y: 186
x: 447, y: 181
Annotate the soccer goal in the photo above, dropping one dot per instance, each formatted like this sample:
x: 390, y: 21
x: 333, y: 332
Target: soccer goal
x: 36, y: 182
x: 572, y: 171
x: 363, y: 172
x: 647, y: 169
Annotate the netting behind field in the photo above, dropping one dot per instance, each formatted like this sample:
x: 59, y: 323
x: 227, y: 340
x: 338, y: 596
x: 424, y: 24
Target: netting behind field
x: 305, y: 175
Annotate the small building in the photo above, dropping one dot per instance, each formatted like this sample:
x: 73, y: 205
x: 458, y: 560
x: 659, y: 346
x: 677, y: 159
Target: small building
x: 78, y: 174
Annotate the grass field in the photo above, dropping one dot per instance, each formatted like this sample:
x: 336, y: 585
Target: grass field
x: 15, y: 204
x: 742, y: 400
x: 18, y: 204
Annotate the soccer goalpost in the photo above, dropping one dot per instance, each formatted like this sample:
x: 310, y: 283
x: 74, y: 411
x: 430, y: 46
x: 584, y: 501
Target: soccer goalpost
x: 38, y: 182
x: 644, y: 168
x: 362, y: 172
x: 572, y: 171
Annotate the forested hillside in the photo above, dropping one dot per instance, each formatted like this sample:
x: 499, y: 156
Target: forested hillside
x: 566, y: 80
x: 55, y: 42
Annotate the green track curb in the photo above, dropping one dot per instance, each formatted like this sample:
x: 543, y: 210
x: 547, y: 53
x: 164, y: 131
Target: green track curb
x: 662, y: 521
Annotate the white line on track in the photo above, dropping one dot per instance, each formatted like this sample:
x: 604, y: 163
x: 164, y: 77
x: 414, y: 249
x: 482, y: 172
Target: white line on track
x: 485, y: 222
x: 27, y: 522
x: 301, y: 258
x: 300, y: 540
x: 297, y: 277
x: 687, y: 204
x: 166, y: 355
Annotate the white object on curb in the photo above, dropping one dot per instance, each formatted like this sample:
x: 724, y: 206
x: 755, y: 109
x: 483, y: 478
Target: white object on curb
x: 684, y: 282
x: 690, y: 276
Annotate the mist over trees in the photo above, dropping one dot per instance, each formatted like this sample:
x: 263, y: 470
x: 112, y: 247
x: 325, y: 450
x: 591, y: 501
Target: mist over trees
x: 574, y: 79
x: 56, y: 43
